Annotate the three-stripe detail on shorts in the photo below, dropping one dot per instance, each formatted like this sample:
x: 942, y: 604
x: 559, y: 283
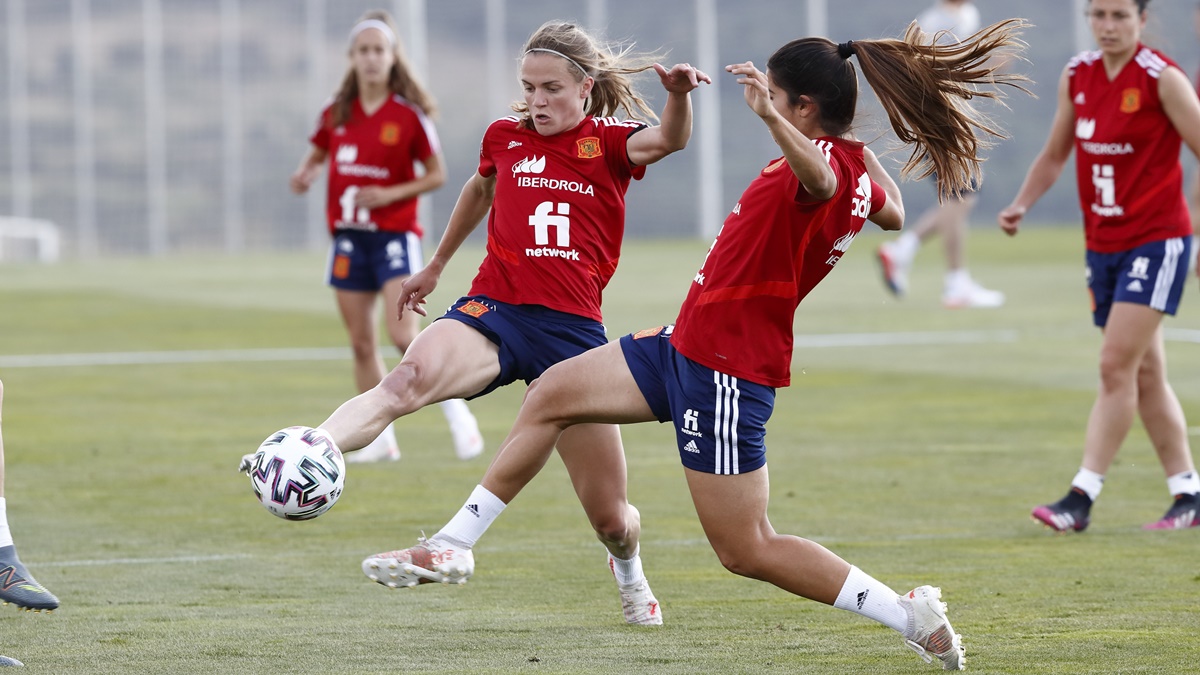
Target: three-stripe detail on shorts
x: 1166, y: 274
x: 725, y: 414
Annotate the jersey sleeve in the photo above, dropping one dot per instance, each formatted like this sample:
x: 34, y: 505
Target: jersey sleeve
x: 616, y: 146
x: 320, y: 132
x: 487, y: 165
x: 878, y: 198
x: 425, y: 141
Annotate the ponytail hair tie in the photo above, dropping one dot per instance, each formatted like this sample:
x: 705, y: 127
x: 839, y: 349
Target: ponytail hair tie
x: 846, y: 49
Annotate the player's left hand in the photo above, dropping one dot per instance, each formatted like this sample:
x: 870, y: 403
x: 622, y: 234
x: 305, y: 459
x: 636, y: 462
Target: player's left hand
x: 247, y: 463
x: 757, y: 96
x: 681, y: 78
x: 372, y: 197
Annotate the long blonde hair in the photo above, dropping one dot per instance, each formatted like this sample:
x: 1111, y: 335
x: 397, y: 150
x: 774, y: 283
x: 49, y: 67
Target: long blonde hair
x: 401, y: 80
x: 608, y: 65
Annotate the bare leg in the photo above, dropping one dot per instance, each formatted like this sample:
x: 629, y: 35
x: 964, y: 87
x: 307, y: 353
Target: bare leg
x: 733, y: 512
x: 1161, y: 413
x: 1128, y: 337
x: 447, y: 360
x: 953, y: 220
x: 1, y: 441
x: 358, y: 315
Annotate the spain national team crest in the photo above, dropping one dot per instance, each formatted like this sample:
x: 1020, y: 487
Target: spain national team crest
x: 389, y: 134
x: 778, y: 163
x: 474, y: 309
x: 1131, y: 100
x: 589, y: 148
x: 341, y: 267
x: 649, y: 332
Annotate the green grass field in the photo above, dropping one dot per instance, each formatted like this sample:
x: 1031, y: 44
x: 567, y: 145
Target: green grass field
x: 917, y: 462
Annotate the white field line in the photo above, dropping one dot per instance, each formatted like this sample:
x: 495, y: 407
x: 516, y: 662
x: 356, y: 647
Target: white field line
x: 179, y: 357
x: 143, y: 561
x: 1181, y: 334
x: 342, y: 353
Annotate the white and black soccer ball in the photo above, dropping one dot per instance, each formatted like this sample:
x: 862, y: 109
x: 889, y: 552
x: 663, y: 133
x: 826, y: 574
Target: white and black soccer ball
x: 298, y: 473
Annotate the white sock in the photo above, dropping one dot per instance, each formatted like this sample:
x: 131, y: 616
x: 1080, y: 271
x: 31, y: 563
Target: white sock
x: 473, y: 519
x: 456, y: 412
x: 956, y: 278
x: 5, y: 535
x: 865, y: 596
x: 907, y: 244
x: 1090, y: 482
x: 1187, y: 482
x: 627, y: 572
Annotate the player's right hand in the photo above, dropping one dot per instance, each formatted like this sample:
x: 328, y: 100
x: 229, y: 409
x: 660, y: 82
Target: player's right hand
x: 1010, y: 219
x: 247, y: 463
x: 414, y: 290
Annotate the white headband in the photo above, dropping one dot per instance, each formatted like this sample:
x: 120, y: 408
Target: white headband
x: 377, y: 25
x: 556, y: 53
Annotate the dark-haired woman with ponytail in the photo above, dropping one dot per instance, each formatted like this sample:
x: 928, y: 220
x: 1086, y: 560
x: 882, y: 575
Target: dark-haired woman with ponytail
x: 713, y: 374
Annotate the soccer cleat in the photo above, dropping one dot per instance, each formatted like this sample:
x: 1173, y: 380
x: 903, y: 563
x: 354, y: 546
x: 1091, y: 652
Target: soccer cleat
x: 1069, y: 514
x: 895, y: 266
x: 468, y: 442
x: 1182, y: 514
x: 19, y: 588
x: 382, y: 449
x: 639, y: 605
x: 968, y: 293
x: 430, y: 561
x: 9, y: 661
x: 929, y: 633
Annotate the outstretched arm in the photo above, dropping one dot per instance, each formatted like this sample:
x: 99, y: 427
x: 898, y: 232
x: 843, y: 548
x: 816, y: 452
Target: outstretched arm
x: 375, y: 196
x: 1049, y: 164
x: 650, y: 145
x: 807, y: 162
x: 473, y: 204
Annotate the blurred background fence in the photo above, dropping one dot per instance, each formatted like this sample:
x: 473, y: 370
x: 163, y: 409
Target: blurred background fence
x: 157, y: 126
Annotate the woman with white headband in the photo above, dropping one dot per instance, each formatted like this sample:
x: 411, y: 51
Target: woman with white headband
x: 553, y: 178
x: 375, y: 130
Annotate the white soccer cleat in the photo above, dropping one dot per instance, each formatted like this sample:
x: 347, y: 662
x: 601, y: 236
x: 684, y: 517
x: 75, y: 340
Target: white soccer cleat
x: 895, y: 264
x: 639, y: 605
x: 929, y: 633
x: 430, y: 561
x: 382, y: 449
x: 968, y: 293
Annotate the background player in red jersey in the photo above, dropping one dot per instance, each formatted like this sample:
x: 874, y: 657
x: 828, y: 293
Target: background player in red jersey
x: 553, y: 178
x: 713, y: 374
x: 16, y: 585
x: 373, y: 133
x: 1124, y: 109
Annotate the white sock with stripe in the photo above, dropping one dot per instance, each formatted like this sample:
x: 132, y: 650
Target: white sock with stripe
x: 473, y: 519
x: 1089, y: 481
x: 627, y: 572
x: 865, y: 596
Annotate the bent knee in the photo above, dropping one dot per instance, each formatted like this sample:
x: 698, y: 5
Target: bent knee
x: 405, y: 389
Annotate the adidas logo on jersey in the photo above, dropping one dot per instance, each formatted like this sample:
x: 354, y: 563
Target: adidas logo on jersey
x: 691, y: 447
x: 1079, y: 99
x: 514, y: 144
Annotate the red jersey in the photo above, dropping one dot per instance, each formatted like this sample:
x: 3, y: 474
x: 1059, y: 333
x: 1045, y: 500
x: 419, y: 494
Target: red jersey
x: 376, y: 149
x: 774, y: 248
x: 556, y: 224
x: 1126, y: 154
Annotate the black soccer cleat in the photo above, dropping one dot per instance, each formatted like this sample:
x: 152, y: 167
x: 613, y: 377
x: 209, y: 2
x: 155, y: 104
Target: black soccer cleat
x: 1184, y: 513
x: 1069, y: 514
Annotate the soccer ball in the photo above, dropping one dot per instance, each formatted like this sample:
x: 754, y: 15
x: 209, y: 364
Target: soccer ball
x: 298, y: 473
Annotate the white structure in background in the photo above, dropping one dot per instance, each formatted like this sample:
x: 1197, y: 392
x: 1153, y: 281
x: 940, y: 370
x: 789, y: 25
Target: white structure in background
x: 43, y: 233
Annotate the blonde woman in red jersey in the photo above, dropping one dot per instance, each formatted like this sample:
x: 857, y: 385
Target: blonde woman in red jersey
x: 371, y: 135
x: 551, y: 182
x: 1125, y: 109
x: 713, y: 374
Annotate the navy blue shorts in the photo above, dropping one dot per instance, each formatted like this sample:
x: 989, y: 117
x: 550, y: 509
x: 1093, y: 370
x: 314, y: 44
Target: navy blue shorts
x: 531, y: 337
x: 360, y: 260
x: 1152, y: 274
x: 721, y: 420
